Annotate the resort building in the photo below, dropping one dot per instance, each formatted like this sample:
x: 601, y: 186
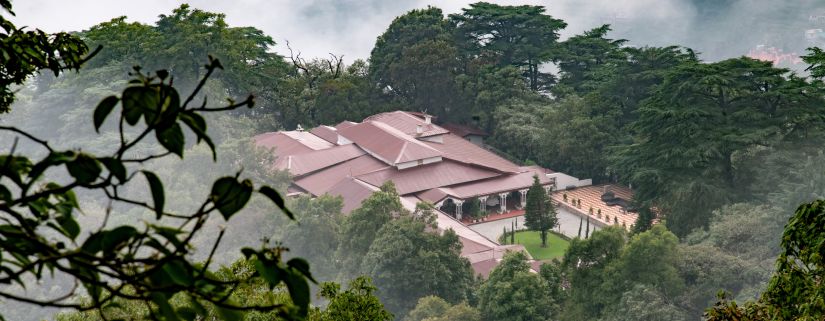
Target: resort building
x: 426, y: 162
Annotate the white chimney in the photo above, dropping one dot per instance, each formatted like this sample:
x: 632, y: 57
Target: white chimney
x: 428, y: 119
x: 419, y: 129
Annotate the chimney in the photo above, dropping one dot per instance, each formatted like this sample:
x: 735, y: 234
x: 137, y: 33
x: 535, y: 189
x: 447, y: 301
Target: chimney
x: 419, y: 129
x: 428, y: 119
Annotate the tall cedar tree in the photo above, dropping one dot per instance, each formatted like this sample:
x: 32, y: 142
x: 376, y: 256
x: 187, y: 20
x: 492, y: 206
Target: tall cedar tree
x: 540, y: 214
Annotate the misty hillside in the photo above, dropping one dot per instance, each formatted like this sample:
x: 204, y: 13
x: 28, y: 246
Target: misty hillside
x: 614, y: 160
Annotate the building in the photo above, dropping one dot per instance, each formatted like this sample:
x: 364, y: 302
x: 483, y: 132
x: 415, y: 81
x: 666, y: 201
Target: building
x: 426, y: 162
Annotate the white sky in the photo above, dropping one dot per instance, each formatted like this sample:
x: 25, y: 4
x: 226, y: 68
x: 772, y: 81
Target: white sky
x: 318, y: 27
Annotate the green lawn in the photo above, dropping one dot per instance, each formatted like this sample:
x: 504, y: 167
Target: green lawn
x: 532, y: 241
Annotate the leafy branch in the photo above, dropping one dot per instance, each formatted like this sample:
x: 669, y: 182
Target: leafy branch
x: 39, y: 232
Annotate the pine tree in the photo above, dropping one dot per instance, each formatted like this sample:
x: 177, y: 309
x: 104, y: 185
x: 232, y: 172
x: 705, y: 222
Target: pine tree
x: 540, y: 215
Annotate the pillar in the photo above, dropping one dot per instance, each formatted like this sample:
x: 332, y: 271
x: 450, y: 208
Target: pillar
x: 458, y: 209
x: 523, y: 197
x: 483, y: 201
x: 502, y: 202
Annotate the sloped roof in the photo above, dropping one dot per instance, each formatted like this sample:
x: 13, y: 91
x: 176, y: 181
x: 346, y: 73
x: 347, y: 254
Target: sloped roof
x: 388, y: 144
x: 308, y: 139
x: 321, y: 181
x: 499, y: 184
x: 463, y: 130
x: 326, y: 133
x: 283, y: 144
x: 407, y: 123
x: 460, y: 149
x: 314, y: 160
x: 428, y: 176
x: 353, y: 191
x: 345, y: 124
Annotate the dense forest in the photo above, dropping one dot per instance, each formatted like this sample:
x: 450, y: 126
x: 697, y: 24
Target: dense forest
x: 719, y: 153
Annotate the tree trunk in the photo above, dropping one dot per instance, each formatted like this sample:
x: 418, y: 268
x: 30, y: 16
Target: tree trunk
x: 543, y: 238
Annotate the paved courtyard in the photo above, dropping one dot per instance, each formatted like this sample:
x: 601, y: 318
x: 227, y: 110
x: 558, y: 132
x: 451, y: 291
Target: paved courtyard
x: 568, y: 225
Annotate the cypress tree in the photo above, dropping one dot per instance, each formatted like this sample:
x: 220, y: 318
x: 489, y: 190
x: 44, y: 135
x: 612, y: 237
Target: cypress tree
x: 581, y: 221
x: 539, y: 215
x: 513, y: 232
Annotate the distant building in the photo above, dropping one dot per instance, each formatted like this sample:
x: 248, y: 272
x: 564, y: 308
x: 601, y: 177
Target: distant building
x: 426, y: 162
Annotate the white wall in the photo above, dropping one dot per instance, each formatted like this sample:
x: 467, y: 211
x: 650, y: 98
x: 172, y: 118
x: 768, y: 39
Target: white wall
x: 564, y: 181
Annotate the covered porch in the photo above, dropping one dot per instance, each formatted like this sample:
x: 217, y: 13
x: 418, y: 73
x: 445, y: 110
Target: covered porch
x: 483, y: 206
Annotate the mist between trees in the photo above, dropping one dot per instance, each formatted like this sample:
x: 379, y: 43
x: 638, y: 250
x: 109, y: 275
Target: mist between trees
x: 720, y: 153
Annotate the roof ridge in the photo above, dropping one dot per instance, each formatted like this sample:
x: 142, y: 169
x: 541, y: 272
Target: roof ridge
x: 401, y: 152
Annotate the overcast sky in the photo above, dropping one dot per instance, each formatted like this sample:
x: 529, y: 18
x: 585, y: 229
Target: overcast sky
x: 348, y: 27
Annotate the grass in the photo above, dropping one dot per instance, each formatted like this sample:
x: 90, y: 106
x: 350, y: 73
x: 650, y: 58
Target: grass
x: 556, y: 244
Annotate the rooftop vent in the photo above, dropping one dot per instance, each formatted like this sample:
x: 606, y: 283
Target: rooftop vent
x: 428, y: 119
x: 419, y: 129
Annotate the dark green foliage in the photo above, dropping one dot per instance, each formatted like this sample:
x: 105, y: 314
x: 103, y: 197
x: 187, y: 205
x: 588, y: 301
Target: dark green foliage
x: 794, y: 291
x: 361, y: 227
x: 26, y: 52
x: 473, y: 208
x: 433, y: 308
x: 356, y: 303
x: 512, y: 292
x: 416, y: 61
x: 404, y: 258
x: 697, y: 126
x: 582, y: 56
x: 520, y: 36
x: 539, y: 214
x: 816, y: 60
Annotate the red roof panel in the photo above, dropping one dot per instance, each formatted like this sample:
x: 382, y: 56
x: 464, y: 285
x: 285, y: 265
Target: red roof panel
x: 326, y: 133
x: 283, y: 144
x: 353, y: 191
x: 387, y: 143
x: 312, y: 161
x: 428, y: 176
x: 321, y: 181
x: 407, y: 123
x: 462, y: 150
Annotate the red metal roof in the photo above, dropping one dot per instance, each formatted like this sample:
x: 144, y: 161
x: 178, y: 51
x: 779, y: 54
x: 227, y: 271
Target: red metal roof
x: 283, y: 144
x: 463, y: 130
x: 345, y: 124
x: 407, y: 123
x: 326, y: 133
x: 499, y: 184
x: 459, y: 149
x: 387, y: 143
x: 428, y: 176
x: 308, y: 139
x: 321, y: 181
x: 353, y: 191
x: 312, y: 161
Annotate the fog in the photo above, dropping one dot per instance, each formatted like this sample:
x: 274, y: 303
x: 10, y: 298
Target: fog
x: 718, y: 29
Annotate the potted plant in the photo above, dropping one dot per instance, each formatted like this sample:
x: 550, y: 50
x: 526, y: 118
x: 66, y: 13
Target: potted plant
x: 615, y: 220
x: 591, y: 210
x: 564, y: 196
